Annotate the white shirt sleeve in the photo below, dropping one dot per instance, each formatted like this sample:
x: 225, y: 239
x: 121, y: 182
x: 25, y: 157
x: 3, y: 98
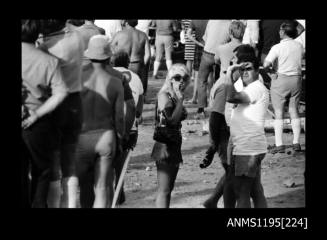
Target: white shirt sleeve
x: 273, y: 54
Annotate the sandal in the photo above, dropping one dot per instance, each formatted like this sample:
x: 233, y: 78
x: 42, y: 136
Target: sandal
x: 279, y: 149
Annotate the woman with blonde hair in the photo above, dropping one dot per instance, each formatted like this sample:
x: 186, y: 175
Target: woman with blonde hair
x: 169, y: 113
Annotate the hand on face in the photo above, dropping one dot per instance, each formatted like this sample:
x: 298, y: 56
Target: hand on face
x: 178, y: 88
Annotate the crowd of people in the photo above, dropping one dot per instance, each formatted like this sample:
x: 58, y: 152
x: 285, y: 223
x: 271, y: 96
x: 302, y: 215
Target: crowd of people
x: 84, y: 83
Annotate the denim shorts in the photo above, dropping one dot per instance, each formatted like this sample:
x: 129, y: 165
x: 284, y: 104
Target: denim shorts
x: 246, y: 165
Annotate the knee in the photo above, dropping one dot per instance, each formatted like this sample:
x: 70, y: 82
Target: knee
x: 278, y: 113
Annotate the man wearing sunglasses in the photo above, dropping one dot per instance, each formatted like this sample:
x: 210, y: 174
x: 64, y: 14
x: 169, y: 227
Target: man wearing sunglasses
x: 249, y: 144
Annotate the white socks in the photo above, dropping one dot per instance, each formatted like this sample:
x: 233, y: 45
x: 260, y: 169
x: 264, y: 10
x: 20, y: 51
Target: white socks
x: 54, y: 194
x: 278, y: 127
x: 100, y: 200
x: 296, y: 128
x: 169, y: 63
x: 156, y: 65
x: 69, y: 197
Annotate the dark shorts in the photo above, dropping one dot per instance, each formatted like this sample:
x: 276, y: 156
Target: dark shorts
x: 286, y: 88
x: 197, y: 57
x: 166, y: 154
x: 219, y: 134
x: 246, y: 165
x: 68, y: 118
x: 92, y: 145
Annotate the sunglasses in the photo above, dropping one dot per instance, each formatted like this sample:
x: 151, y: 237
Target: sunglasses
x: 179, y: 78
x: 247, y: 69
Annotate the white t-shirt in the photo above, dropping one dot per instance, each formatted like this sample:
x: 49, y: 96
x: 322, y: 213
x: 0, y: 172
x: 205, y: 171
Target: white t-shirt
x: 288, y: 54
x: 247, y: 121
x: 135, y: 83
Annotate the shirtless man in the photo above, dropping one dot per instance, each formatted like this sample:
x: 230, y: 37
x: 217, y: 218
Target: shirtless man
x: 103, y: 125
x: 136, y: 44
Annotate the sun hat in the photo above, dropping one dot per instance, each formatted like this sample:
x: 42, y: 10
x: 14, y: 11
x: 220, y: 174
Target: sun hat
x: 98, y: 48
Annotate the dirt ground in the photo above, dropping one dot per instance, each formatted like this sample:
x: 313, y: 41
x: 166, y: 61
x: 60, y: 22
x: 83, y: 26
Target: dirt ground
x: 282, y: 174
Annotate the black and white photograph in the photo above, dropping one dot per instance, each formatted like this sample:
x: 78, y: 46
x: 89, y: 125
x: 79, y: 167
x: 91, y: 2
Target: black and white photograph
x: 159, y: 113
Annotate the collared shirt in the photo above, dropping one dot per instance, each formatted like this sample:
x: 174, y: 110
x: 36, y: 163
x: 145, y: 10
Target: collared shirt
x: 289, y: 54
x: 68, y: 47
x: 217, y: 33
x: 41, y: 76
x: 247, y: 121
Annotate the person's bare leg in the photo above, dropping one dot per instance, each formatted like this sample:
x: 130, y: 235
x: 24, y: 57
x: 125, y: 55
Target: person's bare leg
x: 257, y: 192
x: 195, y: 87
x: 102, y: 166
x: 229, y: 194
x: 243, y: 189
x: 70, y: 180
x: 166, y: 178
x: 212, y: 201
x: 189, y: 64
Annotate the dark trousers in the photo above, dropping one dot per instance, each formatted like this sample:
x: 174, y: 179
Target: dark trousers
x: 219, y: 135
x: 39, y: 145
x: 142, y: 71
x: 206, y: 67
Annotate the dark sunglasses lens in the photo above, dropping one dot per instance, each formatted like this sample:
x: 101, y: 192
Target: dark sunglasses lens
x: 178, y: 78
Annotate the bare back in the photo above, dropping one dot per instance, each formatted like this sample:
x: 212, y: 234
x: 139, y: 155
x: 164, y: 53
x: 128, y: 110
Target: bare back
x: 102, y: 99
x: 131, y: 41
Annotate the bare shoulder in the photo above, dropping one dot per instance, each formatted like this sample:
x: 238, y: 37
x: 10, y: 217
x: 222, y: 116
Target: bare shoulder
x: 141, y: 34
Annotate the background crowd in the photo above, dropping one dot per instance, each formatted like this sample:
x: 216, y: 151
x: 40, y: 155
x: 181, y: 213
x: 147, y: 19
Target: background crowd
x: 84, y: 83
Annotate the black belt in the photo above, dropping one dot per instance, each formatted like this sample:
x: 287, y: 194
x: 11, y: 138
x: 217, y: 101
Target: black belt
x: 135, y: 61
x: 212, y: 54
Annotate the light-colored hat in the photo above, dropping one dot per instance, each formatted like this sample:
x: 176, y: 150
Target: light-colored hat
x: 98, y: 48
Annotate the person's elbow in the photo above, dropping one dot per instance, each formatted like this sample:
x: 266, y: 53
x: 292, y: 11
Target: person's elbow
x: 61, y: 95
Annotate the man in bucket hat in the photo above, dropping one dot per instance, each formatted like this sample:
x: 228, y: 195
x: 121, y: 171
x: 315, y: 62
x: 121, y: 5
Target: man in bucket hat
x: 103, y: 125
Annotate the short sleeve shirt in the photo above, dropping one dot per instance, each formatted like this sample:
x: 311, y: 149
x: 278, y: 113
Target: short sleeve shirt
x: 288, y: 54
x: 247, y: 121
x: 41, y: 76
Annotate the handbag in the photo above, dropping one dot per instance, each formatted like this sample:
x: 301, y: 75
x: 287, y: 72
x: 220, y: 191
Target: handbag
x: 165, y: 134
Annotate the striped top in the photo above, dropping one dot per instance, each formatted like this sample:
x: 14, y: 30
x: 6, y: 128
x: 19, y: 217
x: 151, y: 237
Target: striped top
x: 189, y: 45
